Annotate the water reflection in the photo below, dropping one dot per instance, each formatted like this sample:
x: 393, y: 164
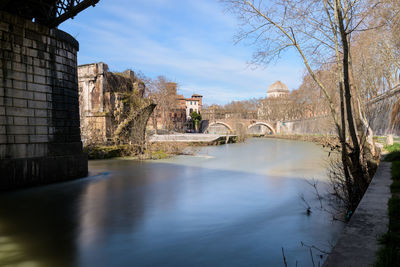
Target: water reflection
x: 233, y: 205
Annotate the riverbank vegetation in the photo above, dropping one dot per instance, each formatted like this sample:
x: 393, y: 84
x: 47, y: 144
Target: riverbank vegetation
x: 151, y: 151
x: 389, y: 254
x: 349, y: 49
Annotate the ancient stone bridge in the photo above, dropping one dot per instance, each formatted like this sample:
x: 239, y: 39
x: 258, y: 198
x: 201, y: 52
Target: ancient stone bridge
x: 237, y: 126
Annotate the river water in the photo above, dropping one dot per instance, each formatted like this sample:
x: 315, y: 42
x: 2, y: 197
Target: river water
x: 230, y: 205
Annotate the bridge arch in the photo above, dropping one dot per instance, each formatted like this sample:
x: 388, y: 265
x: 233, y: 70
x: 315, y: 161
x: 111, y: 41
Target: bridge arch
x: 261, y: 123
x: 218, y: 123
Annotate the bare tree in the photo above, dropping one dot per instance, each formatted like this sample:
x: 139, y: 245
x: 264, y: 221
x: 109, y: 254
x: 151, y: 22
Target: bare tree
x: 320, y: 31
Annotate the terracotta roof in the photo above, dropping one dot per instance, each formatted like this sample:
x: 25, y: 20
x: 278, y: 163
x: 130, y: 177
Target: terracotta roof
x: 278, y: 86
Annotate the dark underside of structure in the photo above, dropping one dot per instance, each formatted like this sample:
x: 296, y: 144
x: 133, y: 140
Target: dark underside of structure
x: 50, y: 13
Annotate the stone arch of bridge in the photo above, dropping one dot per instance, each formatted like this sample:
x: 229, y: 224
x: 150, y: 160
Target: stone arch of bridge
x: 262, y: 123
x: 219, y: 123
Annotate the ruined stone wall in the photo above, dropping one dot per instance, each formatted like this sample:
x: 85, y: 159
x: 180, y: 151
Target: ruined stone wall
x: 39, y: 113
x: 107, y: 101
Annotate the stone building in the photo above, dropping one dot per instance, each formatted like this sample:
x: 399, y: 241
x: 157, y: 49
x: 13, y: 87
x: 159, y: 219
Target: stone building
x: 110, y: 104
x: 278, y: 89
x: 193, y: 104
x: 174, y: 113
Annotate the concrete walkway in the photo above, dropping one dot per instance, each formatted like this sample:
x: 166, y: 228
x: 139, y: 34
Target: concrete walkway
x: 188, y: 138
x: 358, y: 244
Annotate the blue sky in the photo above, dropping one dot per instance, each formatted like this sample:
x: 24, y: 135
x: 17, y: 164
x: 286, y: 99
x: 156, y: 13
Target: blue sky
x: 190, y: 42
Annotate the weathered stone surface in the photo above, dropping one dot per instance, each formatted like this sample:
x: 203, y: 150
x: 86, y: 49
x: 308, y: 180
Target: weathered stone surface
x: 39, y: 126
x: 358, y: 244
x: 379, y: 111
x: 104, y: 103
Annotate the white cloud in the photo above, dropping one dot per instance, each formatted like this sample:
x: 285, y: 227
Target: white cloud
x: 201, y: 60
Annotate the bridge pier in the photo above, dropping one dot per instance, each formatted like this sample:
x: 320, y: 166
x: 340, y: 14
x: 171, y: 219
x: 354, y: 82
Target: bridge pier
x: 39, y: 109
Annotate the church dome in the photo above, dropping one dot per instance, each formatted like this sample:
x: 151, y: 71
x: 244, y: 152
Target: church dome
x: 278, y: 88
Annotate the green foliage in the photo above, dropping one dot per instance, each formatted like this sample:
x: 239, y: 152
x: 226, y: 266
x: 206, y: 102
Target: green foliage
x: 195, y: 116
x: 394, y: 152
x: 396, y: 170
x: 393, y: 148
x: 389, y: 254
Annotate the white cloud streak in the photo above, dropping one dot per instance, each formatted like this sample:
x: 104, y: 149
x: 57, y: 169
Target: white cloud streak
x: 201, y: 58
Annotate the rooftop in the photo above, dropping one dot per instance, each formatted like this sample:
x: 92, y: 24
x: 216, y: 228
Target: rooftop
x: 278, y: 86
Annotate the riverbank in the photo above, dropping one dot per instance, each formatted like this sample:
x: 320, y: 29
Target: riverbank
x: 160, y: 146
x: 324, y: 140
x: 152, y: 151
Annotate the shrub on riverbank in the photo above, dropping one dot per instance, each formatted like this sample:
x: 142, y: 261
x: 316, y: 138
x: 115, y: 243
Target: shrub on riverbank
x: 103, y: 152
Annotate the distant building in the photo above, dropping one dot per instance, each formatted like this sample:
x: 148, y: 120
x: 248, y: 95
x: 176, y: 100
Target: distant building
x: 278, y: 89
x: 178, y: 119
x: 193, y: 104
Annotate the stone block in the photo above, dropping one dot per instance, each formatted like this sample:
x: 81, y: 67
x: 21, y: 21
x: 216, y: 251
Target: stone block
x: 21, y: 139
x: 27, y: 42
x: 16, y: 75
x: 23, y: 112
x: 41, y: 113
x: 19, y: 85
x: 40, y: 88
x: 22, y: 103
x: 23, y: 94
x: 39, y: 79
x: 20, y: 67
x: 39, y: 96
x: 38, y: 121
x: 9, y: 120
x: 38, y: 138
x: 18, y: 129
x: 33, y: 35
x: 8, y: 101
x: 3, y: 140
x: 2, y: 129
x: 20, y: 120
x: 40, y: 71
x: 42, y: 130
x: 39, y: 104
x: 3, y: 120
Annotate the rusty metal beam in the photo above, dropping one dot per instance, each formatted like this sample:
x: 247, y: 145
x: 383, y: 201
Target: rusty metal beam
x: 47, y: 12
x: 70, y: 11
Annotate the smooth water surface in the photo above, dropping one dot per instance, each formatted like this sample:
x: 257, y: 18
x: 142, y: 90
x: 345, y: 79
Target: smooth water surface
x: 230, y: 205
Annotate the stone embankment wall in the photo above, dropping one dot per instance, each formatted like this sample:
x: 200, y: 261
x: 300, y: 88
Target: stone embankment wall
x: 379, y: 112
x: 39, y: 109
x: 319, y: 125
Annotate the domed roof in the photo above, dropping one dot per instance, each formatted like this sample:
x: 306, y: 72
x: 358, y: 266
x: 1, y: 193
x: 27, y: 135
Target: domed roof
x: 278, y: 86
